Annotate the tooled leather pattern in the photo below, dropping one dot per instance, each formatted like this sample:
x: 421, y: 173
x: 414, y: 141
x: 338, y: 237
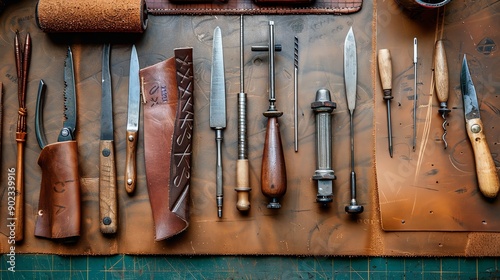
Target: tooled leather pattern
x: 180, y: 176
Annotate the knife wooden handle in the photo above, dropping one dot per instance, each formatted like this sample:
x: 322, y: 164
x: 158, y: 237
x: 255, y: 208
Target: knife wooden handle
x: 487, y: 177
x: 130, y: 162
x: 108, y: 212
x: 385, y: 68
x: 441, y: 72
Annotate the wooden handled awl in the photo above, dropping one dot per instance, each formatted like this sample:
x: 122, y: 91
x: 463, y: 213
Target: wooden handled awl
x: 442, y: 84
x: 385, y: 71
x: 242, y: 166
x: 273, y: 173
x: 486, y: 171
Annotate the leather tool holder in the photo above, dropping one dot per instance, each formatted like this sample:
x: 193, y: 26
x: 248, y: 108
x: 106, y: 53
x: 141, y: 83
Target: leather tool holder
x: 168, y: 123
x: 59, y: 213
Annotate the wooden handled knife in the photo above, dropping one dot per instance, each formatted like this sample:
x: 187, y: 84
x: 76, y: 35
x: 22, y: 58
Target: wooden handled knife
x: 108, y: 211
x: 134, y: 94
x: 485, y: 166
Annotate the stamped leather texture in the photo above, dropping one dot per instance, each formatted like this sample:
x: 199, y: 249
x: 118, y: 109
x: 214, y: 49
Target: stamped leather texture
x: 59, y: 213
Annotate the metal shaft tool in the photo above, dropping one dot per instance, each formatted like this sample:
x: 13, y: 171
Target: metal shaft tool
x: 486, y: 171
x: 414, y: 142
x: 218, y: 110
x: 242, y: 169
x: 350, y: 80
x: 273, y: 173
x: 442, y: 84
x: 385, y: 71
x: 296, y: 93
x: 324, y: 174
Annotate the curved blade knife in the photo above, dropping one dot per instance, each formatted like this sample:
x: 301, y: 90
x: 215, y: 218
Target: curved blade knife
x: 134, y: 93
x: 108, y: 213
x: 485, y: 166
x: 218, y: 109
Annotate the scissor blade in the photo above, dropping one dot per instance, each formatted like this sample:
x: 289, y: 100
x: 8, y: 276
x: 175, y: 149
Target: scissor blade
x: 106, y: 99
x: 471, y: 106
x: 218, y: 87
x: 69, y: 93
x: 134, y: 93
x: 350, y: 69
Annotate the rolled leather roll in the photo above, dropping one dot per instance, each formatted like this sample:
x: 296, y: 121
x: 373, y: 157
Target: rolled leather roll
x: 92, y: 16
x: 168, y: 128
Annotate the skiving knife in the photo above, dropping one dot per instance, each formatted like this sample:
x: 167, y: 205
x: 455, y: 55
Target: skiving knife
x: 218, y: 109
x: 134, y: 94
x: 485, y: 166
x: 107, y: 170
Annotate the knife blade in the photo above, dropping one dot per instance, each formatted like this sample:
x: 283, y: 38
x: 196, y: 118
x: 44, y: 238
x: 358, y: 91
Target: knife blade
x: 69, y: 124
x: 134, y: 93
x: 218, y: 109
x: 107, y: 170
x: 350, y: 70
x: 485, y: 166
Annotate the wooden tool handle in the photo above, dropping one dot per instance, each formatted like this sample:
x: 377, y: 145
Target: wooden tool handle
x: 385, y: 68
x: 19, y: 210
x: 108, y: 212
x: 441, y: 72
x: 130, y: 162
x: 242, y: 185
x: 273, y: 175
x: 485, y: 167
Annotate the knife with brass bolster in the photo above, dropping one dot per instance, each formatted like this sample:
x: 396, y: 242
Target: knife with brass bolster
x: 134, y: 93
x: 487, y: 177
x: 107, y: 171
x: 218, y: 109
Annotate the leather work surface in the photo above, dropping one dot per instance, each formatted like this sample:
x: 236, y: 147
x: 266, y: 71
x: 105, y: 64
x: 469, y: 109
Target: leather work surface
x: 435, y: 188
x: 301, y: 227
x: 182, y: 7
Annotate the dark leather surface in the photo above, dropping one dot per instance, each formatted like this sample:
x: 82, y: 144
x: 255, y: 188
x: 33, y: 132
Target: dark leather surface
x: 301, y: 226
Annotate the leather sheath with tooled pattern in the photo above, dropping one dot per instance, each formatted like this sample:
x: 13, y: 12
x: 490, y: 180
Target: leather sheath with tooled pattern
x: 58, y: 215
x: 168, y: 124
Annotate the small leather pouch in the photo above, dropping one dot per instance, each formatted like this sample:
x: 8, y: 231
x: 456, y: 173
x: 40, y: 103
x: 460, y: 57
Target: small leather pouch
x: 59, y: 203
x: 168, y: 126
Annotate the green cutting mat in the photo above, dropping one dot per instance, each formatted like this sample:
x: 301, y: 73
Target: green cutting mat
x: 162, y: 267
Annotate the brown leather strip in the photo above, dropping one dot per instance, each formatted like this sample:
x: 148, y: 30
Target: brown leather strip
x: 237, y: 7
x: 167, y: 126
x: 59, y: 212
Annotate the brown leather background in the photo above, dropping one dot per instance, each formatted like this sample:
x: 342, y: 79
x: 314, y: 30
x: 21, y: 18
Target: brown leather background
x: 237, y: 7
x: 300, y: 227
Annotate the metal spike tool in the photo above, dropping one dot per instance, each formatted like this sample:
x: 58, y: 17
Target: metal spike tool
x: 296, y: 91
x: 385, y: 71
x: 350, y: 80
x: 414, y: 94
x: 442, y: 84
